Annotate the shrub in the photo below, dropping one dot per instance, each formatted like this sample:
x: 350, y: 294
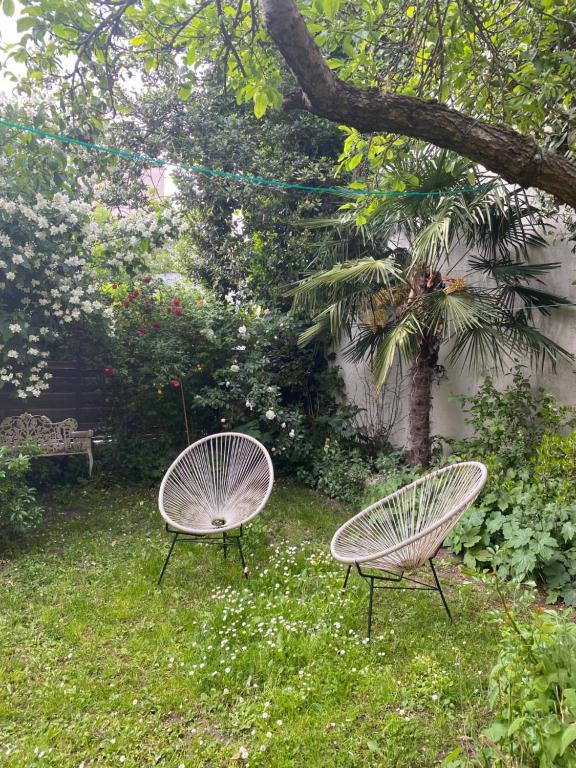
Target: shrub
x: 393, y: 472
x: 509, y: 424
x: 182, y: 360
x: 18, y: 508
x: 337, y: 471
x: 533, y: 695
x: 523, y: 525
x: 533, y: 692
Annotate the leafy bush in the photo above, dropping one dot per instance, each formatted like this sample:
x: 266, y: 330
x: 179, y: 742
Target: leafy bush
x: 533, y: 695
x: 555, y: 465
x: 145, y: 459
x: 524, y: 524
x: 393, y: 472
x: 18, y: 508
x: 183, y: 364
x: 509, y: 424
x: 337, y: 471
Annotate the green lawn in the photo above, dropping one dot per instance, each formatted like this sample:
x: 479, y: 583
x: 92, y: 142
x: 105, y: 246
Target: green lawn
x: 100, y: 667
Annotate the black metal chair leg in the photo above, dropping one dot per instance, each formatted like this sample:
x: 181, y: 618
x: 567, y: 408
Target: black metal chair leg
x: 244, y: 569
x: 347, y: 577
x: 167, y: 558
x: 225, y: 546
x: 370, y: 603
x: 439, y: 588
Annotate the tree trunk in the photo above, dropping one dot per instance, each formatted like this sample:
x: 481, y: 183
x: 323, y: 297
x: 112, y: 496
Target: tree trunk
x: 420, y: 409
x: 516, y: 158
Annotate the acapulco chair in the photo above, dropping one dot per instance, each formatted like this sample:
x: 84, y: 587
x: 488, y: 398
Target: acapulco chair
x: 212, y: 489
x: 404, y: 530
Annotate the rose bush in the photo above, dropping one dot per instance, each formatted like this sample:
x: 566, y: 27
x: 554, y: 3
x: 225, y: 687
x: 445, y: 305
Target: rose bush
x: 182, y: 364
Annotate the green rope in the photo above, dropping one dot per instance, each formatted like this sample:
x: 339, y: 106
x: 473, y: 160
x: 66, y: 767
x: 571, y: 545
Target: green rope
x: 246, y: 178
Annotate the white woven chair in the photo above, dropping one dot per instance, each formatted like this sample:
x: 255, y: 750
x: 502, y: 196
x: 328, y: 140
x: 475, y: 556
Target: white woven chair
x: 213, y: 488
x: 404, y: 530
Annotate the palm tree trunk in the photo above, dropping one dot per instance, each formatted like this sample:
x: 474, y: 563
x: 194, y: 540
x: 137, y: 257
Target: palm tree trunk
x: 420, y: 409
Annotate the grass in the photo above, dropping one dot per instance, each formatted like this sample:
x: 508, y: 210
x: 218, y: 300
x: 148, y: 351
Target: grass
x: 100, y: 667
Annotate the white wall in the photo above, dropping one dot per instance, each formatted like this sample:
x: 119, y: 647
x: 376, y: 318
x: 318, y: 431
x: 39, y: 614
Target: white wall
x: 447, y: 416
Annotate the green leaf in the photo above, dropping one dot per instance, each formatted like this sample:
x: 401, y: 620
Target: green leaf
x: 24, y: 23
x: 331, y: 7
x: 260, y: 103
x: 354, y: 161
x: 8, y: 7
x: 497, y: 731
x: 568, y: 736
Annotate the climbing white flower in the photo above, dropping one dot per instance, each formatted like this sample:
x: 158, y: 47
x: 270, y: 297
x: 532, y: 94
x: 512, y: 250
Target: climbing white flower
x: 270, y: 415
x: 10, y: 276
x: 15, y: 327
x: 242, y: 330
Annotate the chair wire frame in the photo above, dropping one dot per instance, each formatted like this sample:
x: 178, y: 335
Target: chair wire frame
x: 403, y: 531
x: 212, y: 489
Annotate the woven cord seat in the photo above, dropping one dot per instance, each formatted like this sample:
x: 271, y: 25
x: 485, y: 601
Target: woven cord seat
x: 213, y: 488
x: 404, y: 530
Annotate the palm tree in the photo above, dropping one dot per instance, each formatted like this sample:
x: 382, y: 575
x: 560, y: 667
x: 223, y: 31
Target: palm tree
x: 408, y: 274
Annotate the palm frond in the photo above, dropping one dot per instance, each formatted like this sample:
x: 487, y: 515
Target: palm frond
x: 533, y: 299
x: 400, y: 342
x: 445, y: 314
x: 506, y: 270
x: 479, y: 347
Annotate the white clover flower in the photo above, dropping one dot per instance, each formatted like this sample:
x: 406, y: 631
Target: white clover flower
x: 12, y: 353
x: 270, y: 415
x: 235, y: 368
x: 291, y: 433
x: 17, y: 259
x: 10, y: 276
x: 243, y: 753
x: 15, y: 327
x: 44, y: 330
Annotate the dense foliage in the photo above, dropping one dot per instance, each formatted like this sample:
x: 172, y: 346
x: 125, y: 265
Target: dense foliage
x: 182, y: 364
x: 18, y: 508
x: 523, y: 525
x: 57, y: 243
x: 532, y: 694
x: 510, y: 64
x: 244, y: 238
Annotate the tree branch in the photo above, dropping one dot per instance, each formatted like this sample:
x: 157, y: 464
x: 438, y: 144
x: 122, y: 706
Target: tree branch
x: 516, y: 158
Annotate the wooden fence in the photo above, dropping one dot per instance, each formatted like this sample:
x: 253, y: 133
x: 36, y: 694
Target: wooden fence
x: 76, y: 391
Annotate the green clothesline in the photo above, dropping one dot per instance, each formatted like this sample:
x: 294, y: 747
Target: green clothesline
x: 245, y: 178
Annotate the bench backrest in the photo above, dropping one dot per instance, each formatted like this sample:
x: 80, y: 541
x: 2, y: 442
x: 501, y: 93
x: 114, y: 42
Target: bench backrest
x: 15, y: 431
